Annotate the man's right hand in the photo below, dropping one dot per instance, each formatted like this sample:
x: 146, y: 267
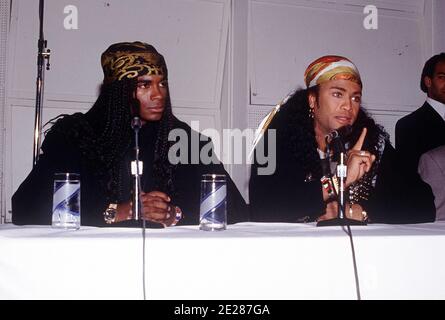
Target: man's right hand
x: 156, y: 207
x: 359, y: 161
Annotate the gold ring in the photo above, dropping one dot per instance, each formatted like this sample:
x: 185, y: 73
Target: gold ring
x: 364, y: 215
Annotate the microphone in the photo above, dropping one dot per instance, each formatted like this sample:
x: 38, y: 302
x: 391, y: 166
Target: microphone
x: 335, y: 141
x: 342, y: 132
x: 136, y: 123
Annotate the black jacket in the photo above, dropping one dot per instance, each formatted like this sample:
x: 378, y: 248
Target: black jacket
x: 417, y: 133
x: 294, y: 192
x: 32, y: 202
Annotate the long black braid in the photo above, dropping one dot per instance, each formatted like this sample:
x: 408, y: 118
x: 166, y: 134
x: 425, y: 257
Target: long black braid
x: 104, y: 135
x: 163, y: 170
x: 299, y: 129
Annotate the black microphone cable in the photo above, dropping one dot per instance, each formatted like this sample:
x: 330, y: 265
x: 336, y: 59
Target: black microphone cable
x: 354, y: 262
x: 143, y: 220
x: 136, y: 124
x: 348, y: 230
x: 351, y: 241
x: 143, y: 259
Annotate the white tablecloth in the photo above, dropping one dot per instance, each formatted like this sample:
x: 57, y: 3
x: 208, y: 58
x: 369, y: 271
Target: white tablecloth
x: 247, y: 261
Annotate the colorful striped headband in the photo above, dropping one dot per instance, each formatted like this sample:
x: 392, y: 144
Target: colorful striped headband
x: 331, y: 68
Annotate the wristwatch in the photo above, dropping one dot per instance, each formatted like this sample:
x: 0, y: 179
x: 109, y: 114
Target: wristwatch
x: 178, y: 215
x: 110, y: 213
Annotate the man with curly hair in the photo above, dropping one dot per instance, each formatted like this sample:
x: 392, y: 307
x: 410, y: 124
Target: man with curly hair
x: 303, y: 188
x: 99, y: 145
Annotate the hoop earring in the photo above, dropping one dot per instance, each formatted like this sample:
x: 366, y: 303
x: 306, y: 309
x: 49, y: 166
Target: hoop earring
x: 311, y: 113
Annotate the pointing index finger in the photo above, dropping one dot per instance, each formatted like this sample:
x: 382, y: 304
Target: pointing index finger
x: 359, y: 144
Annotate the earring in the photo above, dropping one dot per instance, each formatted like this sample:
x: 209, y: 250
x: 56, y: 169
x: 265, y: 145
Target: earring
x: 311, y: 113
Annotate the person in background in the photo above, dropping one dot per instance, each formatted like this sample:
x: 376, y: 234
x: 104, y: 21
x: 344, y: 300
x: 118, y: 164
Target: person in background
x: 432, y: 171
x: 424, y: 129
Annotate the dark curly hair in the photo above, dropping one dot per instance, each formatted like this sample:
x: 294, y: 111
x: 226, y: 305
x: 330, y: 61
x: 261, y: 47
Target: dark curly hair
x: 104, y: 135
x: 299, y: 130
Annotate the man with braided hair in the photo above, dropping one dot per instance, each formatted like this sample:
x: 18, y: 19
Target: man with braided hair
x: 100, y: 146
x: 302, y: 188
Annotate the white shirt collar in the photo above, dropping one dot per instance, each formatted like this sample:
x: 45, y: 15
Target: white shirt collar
x: 438, y: 106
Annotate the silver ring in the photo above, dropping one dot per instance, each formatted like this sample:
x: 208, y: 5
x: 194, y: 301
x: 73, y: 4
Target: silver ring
x: 362, y: 153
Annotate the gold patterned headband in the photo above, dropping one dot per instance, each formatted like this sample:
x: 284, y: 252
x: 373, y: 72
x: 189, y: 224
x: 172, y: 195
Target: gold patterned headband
x: 127, y: 60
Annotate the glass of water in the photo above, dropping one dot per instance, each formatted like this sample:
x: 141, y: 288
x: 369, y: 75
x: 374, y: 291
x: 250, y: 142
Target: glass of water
x: 66, y: 201
x: 213, y: 204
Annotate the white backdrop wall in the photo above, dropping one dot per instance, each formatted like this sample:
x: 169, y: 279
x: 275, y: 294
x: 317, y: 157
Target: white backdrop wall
x: 389, y: 58
x: 4, y: 24
x: 229, y: 61
x: 438, y: 32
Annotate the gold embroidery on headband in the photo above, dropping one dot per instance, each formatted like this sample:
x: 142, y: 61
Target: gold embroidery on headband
x: 130, y: 65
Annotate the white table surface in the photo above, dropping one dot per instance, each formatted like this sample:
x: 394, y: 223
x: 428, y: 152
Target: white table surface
x: 246, y: 261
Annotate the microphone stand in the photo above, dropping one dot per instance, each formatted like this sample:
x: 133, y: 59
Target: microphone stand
x: 43, y: 54
x: 136, y: 171
x: 342, y: 170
